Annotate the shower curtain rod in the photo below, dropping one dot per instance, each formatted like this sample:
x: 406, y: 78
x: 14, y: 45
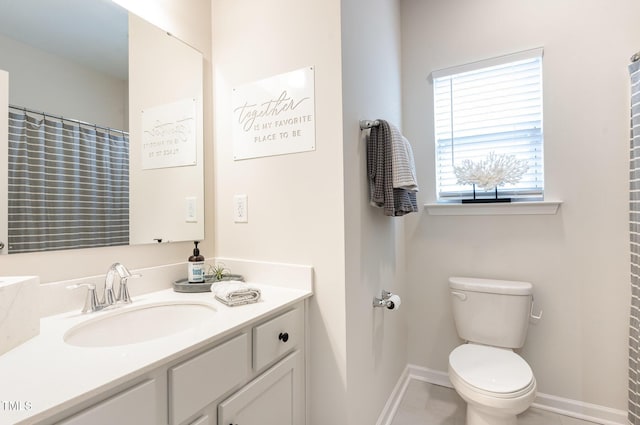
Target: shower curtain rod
x: 61, y: 118
x: 635, y: 57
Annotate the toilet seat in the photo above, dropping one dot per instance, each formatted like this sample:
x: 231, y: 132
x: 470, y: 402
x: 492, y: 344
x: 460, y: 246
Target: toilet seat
x: 495, y: 372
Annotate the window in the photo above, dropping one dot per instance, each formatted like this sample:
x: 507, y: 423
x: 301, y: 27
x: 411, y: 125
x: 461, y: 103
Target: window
x: 490, y: 106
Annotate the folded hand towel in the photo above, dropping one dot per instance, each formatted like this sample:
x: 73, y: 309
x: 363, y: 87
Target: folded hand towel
x: 234, y: 292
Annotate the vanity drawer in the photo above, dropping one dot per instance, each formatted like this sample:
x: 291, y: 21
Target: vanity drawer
x: 135, y: 406
x: 278, y: 336
x: 202, y: 379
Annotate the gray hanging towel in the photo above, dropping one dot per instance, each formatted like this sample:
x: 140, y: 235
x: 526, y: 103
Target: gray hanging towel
x: 394, y: 202
x: 404, y: 169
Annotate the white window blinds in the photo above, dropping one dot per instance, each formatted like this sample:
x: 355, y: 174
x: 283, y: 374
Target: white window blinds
x: 490, y: 106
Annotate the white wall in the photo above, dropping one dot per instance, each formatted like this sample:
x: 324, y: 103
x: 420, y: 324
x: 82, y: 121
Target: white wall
x: 45, y: 82
x: 296, y: 201
x: 375, y: 255
x: 191, y: 22
x: 578, y: 259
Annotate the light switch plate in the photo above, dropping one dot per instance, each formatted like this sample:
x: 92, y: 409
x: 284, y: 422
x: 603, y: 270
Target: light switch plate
x: 190, y: 213
x: 240, y: 209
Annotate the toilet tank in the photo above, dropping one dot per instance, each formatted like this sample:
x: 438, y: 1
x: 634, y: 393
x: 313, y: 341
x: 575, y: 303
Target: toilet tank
x: 491, y: 312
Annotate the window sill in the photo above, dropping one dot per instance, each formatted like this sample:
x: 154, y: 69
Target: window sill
x: 512, y: 208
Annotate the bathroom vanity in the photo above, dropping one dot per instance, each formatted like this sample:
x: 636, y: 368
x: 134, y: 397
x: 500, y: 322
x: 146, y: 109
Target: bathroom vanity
x: 242, y: 365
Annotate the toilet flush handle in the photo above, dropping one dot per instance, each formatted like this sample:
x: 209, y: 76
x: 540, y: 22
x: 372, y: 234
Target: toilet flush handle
x: 535, y: 317
x: 462, y: 296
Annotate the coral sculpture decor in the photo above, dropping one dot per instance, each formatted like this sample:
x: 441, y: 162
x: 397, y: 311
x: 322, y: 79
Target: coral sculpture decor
x: 496, y: 170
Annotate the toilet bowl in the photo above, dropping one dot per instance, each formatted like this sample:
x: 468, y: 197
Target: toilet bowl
x: 496, y: 383
x: 492, y: 317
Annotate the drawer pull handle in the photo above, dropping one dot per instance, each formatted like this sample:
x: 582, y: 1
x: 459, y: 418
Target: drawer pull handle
x: 284, y: 336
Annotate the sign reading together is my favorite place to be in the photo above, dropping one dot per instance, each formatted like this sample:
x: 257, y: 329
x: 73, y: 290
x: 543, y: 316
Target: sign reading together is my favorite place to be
x: 274, y: 116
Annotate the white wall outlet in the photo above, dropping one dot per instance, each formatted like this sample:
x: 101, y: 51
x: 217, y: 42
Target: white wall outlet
x: 240, y: 209
x: 190, y: 212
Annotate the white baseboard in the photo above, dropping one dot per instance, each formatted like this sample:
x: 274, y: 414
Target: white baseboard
x: 391, y: 406
x: 431, y: 376
x: 564, y: 406
x: 581, y: 410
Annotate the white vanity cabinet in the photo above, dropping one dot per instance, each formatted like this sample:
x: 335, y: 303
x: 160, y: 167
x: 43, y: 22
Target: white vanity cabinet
x: 275, y: 391
x: 276, y: 396
x: 254, y: 375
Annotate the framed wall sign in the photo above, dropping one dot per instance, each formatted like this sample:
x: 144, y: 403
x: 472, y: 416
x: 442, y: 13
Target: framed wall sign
x: 274, y: 116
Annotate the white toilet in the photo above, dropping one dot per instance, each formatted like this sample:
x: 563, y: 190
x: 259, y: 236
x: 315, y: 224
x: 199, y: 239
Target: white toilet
x: 492, y: 316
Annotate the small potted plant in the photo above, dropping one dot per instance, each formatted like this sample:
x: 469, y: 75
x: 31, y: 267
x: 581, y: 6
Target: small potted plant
x: 218, y: 273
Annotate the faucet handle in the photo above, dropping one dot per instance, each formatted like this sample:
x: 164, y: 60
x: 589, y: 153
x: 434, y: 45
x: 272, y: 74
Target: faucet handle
x: 123, y: 291
x: 109, y: 296
x: 91, y: 302
x: 122, y: 270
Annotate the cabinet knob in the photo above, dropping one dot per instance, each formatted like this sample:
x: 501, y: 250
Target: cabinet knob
x: 284, y: 336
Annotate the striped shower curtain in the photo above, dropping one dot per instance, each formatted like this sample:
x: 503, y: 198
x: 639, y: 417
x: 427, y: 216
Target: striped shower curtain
x: 634, y: 228
x: 68, y: 185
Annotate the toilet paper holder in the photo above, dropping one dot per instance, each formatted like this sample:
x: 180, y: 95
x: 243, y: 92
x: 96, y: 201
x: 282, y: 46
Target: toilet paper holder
x: 388, y: 300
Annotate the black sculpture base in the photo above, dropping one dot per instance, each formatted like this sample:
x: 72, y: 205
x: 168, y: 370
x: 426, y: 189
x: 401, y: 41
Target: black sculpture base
x: 485, y: 201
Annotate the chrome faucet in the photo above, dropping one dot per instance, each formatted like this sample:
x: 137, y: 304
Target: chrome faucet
x: 109, y: 298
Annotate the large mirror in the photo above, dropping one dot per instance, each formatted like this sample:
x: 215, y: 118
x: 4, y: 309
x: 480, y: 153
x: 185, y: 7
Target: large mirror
x: 90, y: 61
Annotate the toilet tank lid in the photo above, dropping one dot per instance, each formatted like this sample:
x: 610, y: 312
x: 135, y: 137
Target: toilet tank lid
x: 491, y: 286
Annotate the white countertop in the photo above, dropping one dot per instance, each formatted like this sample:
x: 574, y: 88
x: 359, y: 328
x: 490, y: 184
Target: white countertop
x: 45, y: 375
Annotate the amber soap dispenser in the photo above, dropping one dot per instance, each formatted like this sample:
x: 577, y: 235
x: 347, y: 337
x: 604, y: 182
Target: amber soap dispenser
x: 196, y: 266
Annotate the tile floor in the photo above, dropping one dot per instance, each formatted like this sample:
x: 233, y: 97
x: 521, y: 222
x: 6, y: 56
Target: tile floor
x: 428, y: 404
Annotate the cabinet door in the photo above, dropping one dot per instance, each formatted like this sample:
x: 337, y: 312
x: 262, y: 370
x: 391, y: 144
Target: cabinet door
x: 135, y: 406
x: 275, y: 397
x: 203, y: 379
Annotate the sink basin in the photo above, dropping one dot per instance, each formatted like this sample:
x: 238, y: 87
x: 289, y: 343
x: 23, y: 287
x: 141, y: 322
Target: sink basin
x: 142, y: 323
